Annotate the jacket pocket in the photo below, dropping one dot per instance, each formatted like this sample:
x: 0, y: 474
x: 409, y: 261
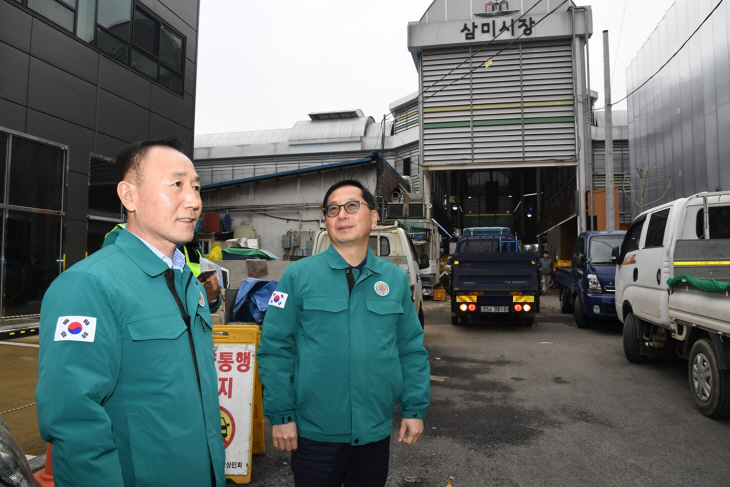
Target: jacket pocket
x: 163, y: 327
x: 382, y: 307
x: 324, y: 303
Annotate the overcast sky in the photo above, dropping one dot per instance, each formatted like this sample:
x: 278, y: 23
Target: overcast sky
x: 267, y: 64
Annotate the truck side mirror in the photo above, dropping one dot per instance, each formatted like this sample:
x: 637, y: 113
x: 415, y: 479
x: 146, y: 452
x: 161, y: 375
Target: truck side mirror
x: 581, y: 260
x: 423, y: 264
x: 615, y: 254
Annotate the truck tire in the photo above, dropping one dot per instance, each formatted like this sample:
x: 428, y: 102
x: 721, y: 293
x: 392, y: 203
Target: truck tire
x: 632, y: 343
x: 420, y: 315
x: 459, y: 320
x: 710, y: 386
x: 581, y: 320
x: 526, y: 321
x: 565, y: 300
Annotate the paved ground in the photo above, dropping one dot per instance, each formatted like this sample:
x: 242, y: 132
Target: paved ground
x: 550, y: 405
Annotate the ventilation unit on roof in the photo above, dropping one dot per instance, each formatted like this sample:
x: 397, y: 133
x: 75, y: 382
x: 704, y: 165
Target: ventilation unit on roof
x: 396, y: 210
x: 416, y: 210
x: 338, y: 115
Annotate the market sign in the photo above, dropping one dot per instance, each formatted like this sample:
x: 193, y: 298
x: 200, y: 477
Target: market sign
x: 490, y: 29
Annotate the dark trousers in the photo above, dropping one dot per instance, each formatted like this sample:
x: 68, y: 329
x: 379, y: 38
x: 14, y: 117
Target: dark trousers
x: 320, y: 464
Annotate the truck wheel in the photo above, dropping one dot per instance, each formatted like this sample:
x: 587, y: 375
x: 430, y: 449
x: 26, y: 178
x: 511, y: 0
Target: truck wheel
x: 526, y: 321
x: 565, y: 300
x: 459, y: 320
x: 632, y: 344
x: 420, y: 315
x: 581, y: 320
x: 709, y: 384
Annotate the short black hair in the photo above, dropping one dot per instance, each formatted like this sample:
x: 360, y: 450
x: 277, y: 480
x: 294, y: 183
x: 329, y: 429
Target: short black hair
x: 366, y: 194
x: 129, y: 158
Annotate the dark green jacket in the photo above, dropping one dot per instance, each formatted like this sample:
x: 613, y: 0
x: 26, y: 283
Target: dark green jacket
x: 336, y: 363
x: 111, y: 237
x: 125, y: 409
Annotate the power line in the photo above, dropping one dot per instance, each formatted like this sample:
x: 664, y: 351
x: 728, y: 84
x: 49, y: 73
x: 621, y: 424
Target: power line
x: 668, y: 60
x: 618, y: 46
x: 480, y: 50
x: 471, y: 56
x: 493, y: 56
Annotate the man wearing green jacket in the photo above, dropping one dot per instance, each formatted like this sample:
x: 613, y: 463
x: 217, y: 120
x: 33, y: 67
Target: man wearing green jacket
x: 192, y: 254
x: 341, y: 346
x: 127, y: 387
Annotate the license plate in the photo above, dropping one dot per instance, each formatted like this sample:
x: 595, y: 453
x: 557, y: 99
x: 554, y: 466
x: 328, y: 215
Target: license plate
x: 495, y: 309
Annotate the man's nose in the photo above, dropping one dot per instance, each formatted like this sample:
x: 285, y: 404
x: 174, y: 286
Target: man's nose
x: 192, y: 198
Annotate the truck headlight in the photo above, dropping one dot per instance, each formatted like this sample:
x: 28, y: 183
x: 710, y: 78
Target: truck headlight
x: 594, y: 286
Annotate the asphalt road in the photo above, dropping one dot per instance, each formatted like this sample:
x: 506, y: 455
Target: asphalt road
x: 550, y: 405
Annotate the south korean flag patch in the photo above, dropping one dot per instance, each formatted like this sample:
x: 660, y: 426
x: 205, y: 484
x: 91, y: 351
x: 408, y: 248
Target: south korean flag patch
x: 75, y: 329
x: 278, y: 299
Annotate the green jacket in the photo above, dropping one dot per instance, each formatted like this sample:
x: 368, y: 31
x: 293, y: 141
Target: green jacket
x: 121, y: 404
x: 336, y: 363
x: 111, y: 237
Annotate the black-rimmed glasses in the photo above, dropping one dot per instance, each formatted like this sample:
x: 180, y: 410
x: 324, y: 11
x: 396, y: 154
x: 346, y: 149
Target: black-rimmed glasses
x: 351, y: 207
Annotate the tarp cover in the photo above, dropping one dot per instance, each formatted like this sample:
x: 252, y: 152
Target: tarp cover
x: 252, y: 300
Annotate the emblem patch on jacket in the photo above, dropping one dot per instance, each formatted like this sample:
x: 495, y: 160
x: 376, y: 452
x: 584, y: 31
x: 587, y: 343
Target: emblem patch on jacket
x: 75, y: 328
x: 278, y: 299
x: 381, y: 288
x: 200, y: 301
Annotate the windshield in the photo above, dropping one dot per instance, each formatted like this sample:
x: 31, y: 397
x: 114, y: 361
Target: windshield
x: 600, y: 251
x: 480, y: 244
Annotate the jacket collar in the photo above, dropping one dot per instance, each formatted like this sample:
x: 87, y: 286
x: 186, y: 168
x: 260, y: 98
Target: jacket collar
x: 138, y: 252
x: 336, y: 261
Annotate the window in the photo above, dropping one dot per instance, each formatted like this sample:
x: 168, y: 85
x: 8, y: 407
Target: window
x: 384, y: 246
x: 407, y: 166
x: 655, y: 232
x: 103, y: 199
x: 31, y: 199
x: 719, y: 222
x: 631, y: 239
x: 105, y: 209
x: 60, y: 12
x: 601, y: 248
x: 35, y: 172
x: 3, y: 163
x: 124, y: 30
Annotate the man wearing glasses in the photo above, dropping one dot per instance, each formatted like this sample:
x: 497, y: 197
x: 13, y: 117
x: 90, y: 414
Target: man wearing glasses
x: 341, y: 346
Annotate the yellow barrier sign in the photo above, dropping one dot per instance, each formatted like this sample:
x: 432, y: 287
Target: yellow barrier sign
x: 239, y: 395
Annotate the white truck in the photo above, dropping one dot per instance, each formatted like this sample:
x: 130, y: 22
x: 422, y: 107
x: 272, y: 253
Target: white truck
x: 671, y: 292
x: 390, y: 243
x: 427, y: 244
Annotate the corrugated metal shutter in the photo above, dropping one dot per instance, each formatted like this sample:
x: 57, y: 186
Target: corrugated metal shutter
x: 406, y: 117
x: 519, y: 109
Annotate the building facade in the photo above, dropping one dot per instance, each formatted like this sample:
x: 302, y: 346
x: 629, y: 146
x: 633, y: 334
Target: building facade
x: 679, y: 113
x: 491, y: 137
x: 78, y: 81
x: 273, y: 180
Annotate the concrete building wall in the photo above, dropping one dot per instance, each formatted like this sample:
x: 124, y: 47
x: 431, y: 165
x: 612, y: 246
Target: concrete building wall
x: 277, y: 206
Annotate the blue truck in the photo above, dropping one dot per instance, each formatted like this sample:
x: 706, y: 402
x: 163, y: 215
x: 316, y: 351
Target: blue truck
x: 587, y: 285
x: 491, y: 277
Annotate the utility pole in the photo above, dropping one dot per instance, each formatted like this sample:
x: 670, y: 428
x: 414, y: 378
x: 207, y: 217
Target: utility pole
x: 610, y: 204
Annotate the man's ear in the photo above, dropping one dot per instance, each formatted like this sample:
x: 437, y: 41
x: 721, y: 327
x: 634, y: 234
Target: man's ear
x: 128, y: 193
x: 373, y: 219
